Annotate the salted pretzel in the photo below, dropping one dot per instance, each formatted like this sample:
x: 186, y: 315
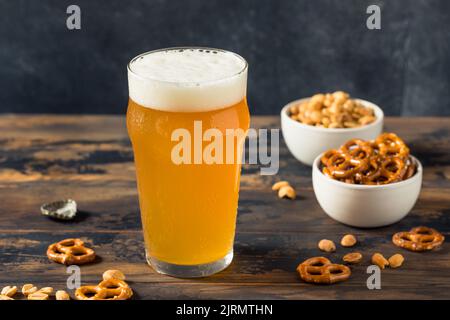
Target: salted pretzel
x: 410, y: 170
x: 371, y: 174
x: 418, y: 239
x: 111, y: 289
x: 342, y: 165
x: 381, y: 161
x: 390, y: 144
x: 70, y: 251
x: 357, y: 146
x: 320, y: 270
x: 327, y: 155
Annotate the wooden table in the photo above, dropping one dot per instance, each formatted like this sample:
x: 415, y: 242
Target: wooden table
x: 89, y: 159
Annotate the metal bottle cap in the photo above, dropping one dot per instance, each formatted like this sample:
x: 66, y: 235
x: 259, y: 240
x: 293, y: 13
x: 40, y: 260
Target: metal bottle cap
x: 63, y: 209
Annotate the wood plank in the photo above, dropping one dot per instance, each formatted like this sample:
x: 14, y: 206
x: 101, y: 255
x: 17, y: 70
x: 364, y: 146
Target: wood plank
x: 262, y: 260
x: 89, y: 159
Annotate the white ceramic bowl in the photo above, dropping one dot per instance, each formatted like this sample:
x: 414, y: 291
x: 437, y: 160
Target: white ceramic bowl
x: 306, y: 142
x: 366, y: 205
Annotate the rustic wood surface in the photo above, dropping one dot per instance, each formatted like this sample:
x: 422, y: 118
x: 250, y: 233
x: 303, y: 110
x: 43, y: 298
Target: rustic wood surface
x: 89, y: 159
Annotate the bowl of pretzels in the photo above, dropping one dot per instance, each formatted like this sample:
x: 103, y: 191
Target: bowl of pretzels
x: 313, y: 125
x: 369, y: 183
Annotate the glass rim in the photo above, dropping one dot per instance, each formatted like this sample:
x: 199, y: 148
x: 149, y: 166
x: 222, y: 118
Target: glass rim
x: 147, y: 78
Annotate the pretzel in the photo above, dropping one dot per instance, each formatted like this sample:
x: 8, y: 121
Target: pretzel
x: 320, y: 270
x: 371, y: 174
x: 381, y: 161
x: 418, y: 239
x: 111, y: 289
x: 327, y: 155
x: 70, y: 251
x: 411, y: 169
x: 357, y: 144
x: 342, y: 165
x: 391, y: 145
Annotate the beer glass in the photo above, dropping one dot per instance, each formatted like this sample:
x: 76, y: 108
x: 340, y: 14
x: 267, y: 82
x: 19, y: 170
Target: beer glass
x: 188, y: 203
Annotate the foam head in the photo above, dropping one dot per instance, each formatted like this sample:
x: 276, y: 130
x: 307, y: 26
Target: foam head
x: 187, y: 79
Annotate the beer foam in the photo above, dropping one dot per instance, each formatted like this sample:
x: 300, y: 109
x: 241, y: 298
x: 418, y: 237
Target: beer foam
x: 187, y: 80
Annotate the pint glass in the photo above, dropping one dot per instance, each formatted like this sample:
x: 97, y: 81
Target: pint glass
x: 181, y: 100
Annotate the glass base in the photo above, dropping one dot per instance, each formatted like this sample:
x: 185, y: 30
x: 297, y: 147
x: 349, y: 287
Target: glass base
x: 189, y: 271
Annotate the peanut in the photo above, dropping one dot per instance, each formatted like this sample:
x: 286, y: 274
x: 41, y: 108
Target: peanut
x: 349, y: 105
x: 348, y: 240
x: 38, y: 296
x: 62, y: 295
x: 334, y: 124
x: 293, y: 109
x: 286, y: 192
x: 316, y: 116
x: 113, y: 274
x: 317, y: 111
x: 9, y: 291
x: 380, y: 260
x: 351, y: 124
x: 340, y: 95
x: 28, y: 289
x: 353, y: 257
x: 366, y: 120
x: 277, y: 185
x: 46, y: 290
x: 319, y: 97
x: 327, y: 245
x: 396, y: 260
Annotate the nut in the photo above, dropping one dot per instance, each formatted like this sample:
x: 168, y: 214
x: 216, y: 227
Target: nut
x: 293, y: 109
x: 396, y: 260
x: 327, y: 245
x: 379, y: 260
x: 353, y: 257
x: 113, y: 274
x: 346, y: 112
x: 286, y: 192
x: 348, y: 240
x: 28, y: 289
x: 37, y: 296
x: 9, y: 291
x: 279, y: 184
x: 62, y: 295
x: 46, y: 290
x: 5, y: 297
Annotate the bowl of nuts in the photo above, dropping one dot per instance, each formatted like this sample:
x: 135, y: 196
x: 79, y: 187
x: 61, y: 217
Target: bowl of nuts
x: 367, y: 183
x: 313, y: 125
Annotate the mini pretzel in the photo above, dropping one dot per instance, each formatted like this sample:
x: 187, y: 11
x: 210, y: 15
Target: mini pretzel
x: 391, y: 145
x: 381, y: 161
x: 111, y: 289
x: 327, y: 155
x: 320, y: 270
x: 357, y: 144
x: 70, y: 251
x: 344, y: 166
x: 371, y: 174
x: 411, y: 169
x: 418, y: 239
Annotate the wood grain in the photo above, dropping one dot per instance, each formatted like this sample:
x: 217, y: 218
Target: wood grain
x: 89, y: 159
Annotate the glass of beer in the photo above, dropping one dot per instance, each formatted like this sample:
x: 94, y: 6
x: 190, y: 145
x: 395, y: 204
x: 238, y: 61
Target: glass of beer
x: 182, y: 100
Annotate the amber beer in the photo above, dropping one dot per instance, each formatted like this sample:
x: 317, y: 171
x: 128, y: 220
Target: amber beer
x: 188, y: 210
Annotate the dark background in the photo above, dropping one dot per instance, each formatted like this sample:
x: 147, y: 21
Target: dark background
x: 294, y: 48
